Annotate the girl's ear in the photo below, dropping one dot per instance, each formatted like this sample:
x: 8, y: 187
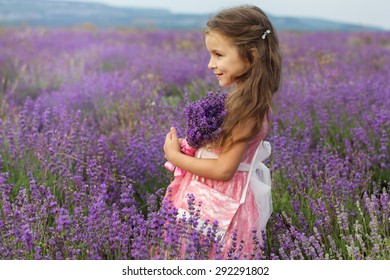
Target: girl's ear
x: 254, y: 52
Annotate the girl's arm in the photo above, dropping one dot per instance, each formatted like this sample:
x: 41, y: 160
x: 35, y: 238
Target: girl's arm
x: 221, y: 169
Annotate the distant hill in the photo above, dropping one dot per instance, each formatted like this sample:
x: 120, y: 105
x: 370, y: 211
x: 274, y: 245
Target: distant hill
x: 39, y: 13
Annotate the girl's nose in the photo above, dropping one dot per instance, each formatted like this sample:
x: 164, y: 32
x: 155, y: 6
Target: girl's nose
x: 211, y: 64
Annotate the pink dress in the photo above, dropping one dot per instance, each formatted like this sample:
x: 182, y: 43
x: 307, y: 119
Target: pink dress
x: 247, y: 216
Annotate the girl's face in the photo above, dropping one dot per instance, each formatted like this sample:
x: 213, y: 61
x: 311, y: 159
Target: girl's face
x: 225, y: 60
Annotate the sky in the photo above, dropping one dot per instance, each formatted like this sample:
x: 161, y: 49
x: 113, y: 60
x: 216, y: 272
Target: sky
x: 364, y: 12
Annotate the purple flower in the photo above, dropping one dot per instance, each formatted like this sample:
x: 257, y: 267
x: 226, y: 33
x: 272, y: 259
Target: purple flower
x: 204, y: 118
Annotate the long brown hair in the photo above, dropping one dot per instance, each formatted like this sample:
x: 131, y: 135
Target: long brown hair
x: 246, y: 26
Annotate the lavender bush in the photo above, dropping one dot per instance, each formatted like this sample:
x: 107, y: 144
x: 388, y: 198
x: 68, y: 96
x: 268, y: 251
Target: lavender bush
x: 84, y: 114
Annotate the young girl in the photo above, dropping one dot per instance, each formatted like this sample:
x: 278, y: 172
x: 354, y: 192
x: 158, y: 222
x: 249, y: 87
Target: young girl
x: 244, y: 54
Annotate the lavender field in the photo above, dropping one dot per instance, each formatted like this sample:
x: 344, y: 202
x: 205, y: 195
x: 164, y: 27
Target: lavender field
x: 84, y: 114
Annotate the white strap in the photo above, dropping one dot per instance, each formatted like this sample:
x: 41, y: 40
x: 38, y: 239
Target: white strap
x: 263, y: 151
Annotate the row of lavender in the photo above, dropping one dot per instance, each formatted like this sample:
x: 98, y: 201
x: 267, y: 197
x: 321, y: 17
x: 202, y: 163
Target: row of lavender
x: 83, y: 117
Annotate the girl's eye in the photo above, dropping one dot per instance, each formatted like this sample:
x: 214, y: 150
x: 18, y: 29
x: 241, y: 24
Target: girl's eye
x: 218, y: 54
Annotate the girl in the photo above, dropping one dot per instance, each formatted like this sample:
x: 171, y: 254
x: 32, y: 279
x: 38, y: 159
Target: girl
x: 244, y: 54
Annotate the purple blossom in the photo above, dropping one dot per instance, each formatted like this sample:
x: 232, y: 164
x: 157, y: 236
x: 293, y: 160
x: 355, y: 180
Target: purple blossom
x: 204, y: 118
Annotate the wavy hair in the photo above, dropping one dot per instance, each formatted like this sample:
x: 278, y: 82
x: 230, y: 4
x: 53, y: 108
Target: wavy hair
x: 252, y: 97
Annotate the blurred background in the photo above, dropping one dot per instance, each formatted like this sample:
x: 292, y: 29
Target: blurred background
x: 310, y: 15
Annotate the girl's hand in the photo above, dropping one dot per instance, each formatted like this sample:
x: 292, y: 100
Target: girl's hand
x: 172, y: 144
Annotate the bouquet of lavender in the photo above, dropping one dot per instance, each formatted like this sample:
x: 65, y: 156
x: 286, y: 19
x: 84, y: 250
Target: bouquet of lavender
x: 204, y: 118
